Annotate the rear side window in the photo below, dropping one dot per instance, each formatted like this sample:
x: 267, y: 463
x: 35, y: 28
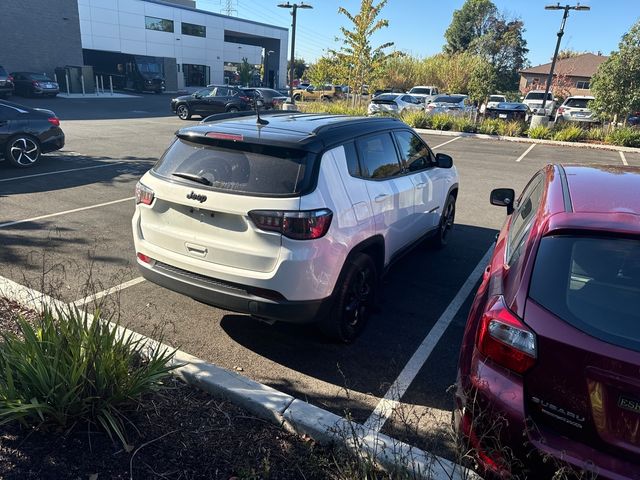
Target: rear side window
x: 238, y: 167
x: 378, y: 157
x: 523, y: 217
x: 593, y: 284
x: 578, y: 102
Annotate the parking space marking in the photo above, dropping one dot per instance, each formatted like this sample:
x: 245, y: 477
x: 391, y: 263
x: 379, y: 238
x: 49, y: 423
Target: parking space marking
x: 623, y: 158
x: 60, y: 171
x: 525, y: 152
x: 448, y: 141
x: 96, y: 296
x: 391, y: 399
x: 42, y: 217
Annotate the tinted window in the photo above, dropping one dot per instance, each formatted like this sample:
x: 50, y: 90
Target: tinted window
x: 3, y: 72
x: 223, y: 92
x: 496, y: 98
x: 387, y: 96
x: 203, y: 92
x: 421, y: 91
x: 352, y: 159
x: 538, y: 96
x: 413, y: 151
x: 194, y: 30
x: 523, y: 216
x: 449, y: 99
x: 578, y: 102
x: 160, y: 24
x: 40, y: 76
x: 592, y: 284
x: 238, y: 167
x: 378, y: 157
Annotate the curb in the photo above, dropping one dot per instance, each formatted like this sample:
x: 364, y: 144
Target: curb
x: 484, y: 136
x: 284, y: 410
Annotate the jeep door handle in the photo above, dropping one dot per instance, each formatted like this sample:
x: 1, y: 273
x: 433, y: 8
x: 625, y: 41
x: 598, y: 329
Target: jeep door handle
x: 381, y: 197
x: 421, y: 185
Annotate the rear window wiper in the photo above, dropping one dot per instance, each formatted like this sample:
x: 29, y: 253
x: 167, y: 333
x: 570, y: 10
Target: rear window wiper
x: 193, y: 177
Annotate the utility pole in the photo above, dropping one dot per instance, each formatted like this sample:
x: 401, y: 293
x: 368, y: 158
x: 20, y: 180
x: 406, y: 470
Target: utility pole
x: 230, y: 8
x: 294, y: 8
x: 566, y: 9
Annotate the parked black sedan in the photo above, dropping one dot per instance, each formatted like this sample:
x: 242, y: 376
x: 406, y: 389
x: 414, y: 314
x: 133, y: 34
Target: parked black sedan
x: 26, y: 133
x: 6, y: 83
x: 508, y: 111
x: 30, y: 84
x: 271, y: 98
x: 210, y: 100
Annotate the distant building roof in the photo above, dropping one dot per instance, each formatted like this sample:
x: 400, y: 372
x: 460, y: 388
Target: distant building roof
x: 584, y: 65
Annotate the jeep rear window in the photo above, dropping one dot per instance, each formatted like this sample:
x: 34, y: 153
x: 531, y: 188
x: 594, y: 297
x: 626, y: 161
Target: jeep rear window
x: 592, y: 283
x: 538, y: 96
x: 238, y: 167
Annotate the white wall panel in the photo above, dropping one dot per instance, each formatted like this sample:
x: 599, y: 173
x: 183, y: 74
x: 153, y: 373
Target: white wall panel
x: 104, y: 15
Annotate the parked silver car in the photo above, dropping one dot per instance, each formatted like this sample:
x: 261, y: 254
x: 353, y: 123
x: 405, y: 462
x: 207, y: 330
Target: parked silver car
x: 451, y: 104
x: 576, y: 109
x: 393, y: 103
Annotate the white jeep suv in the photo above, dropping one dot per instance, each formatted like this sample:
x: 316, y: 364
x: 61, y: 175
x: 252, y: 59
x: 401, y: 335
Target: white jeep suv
x: 291, y: 219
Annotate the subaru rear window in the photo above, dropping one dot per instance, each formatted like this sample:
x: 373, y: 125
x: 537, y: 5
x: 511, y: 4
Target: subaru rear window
x: 592, y: 283
x: 237, y: 167
x: 578, y: 102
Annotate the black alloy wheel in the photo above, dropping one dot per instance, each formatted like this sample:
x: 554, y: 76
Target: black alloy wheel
x: 446, y: 223
x: 23, y: 151
x: 183, y: 112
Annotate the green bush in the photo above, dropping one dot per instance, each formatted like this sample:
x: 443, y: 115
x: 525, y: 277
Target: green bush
x: 416, y: 119
x: 571, y: 133
x: 512, y: 128
x: 490, y: 126
x: 540, y: 132
x: 595, y: 133
x: 625, y: 137
x: 340, y: 107
x: 441, y: 121
x: 464, y: 124
x: 66, y: 370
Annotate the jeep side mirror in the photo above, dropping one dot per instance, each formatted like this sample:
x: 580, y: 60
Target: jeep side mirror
x: 443, y: 160
x: 503, y: 197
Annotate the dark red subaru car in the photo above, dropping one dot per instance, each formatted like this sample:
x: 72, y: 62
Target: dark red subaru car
x: 549, y: 370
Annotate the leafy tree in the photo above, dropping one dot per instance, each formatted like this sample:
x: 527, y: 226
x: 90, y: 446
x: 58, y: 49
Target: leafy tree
x: 299, y: 65
x: 616, y: 84
x: 482, y: 83
x: 363, y: 62
x: 245, y: 71
x: 325, y: 70
x: 480, y: 29
x: 568, y: 53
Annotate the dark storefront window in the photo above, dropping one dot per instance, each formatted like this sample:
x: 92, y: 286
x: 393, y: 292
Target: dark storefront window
x: 194, y: 30
x: 196, y: 75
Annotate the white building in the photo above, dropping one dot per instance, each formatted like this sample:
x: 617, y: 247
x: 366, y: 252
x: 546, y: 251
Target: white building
x: 201, y: 42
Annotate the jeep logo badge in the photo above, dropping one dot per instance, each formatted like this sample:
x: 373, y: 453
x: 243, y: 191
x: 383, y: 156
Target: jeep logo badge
x: 197, y: 196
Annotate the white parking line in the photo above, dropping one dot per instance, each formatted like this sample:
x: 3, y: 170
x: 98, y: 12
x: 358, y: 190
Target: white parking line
x: 108, y: 291
x: 57, y: 172
x: 526, y: 151
x: 42, y: 217
x: 624, y: 159
x: 443, y: 144
x: 390, y: 401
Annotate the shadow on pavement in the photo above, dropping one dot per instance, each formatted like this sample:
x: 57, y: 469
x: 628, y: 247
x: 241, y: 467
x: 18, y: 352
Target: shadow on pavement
x: 415, y: 293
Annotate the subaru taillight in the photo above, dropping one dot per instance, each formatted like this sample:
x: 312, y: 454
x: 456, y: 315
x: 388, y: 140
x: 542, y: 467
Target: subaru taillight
x: 505, y: 339
x: 144, y: 194
x: 303, y: 225
x: 55, y: 121
x: 145, y: 258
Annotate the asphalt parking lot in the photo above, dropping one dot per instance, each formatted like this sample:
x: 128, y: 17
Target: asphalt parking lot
x: 65, y: 229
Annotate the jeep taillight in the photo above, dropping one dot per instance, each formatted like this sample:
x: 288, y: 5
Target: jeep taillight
x: 144, y: 194
x: 302, y: 225
x: 505, y: 339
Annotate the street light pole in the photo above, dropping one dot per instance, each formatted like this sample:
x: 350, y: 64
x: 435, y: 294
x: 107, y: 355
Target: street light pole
x: 294, y: 9
x: 566, y: 9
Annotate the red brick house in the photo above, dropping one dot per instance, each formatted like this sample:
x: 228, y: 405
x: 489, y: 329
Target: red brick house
x: 574, y: 73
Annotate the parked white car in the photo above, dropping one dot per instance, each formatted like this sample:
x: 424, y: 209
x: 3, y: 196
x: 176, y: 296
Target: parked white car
x: 576, y: 109
x: 492, y: 102
x: 395, y: 103
x: 293, y: 219
x: 452, y: 104
x: 534, y: 100
x: 426, y: 92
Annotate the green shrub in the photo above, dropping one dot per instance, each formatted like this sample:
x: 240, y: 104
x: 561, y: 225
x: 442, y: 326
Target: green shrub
x: 571, y: 133
x: 539, y: 132
x: 464, y: 124
x: 490, y: 126
x: 67, y: 370
x: 595, y: 133
x: 512, y: 128
x: 416, y: 119
x: 625, y: 136
x: 441, y: 121
x: 340, y: 107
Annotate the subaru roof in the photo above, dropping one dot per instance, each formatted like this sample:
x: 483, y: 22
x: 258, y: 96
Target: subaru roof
x: 311, y: 132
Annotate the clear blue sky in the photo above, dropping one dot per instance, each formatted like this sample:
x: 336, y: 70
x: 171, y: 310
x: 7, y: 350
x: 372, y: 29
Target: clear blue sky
x: 417, y: 26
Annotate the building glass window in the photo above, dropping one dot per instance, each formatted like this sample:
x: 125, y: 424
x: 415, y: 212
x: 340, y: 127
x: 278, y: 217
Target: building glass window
x: 194, y: 30
x: 583, y: 85
x: 196, y: 75
x: 159, y: 24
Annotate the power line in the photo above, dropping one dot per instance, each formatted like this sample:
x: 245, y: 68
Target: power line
x: 230, y: 7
